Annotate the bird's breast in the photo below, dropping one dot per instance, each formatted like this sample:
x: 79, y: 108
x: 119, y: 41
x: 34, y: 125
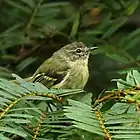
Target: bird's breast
x: 76, y: 77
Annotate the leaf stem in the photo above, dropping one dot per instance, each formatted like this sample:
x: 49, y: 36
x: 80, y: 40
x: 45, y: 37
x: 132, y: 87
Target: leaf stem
x: 35, y: 10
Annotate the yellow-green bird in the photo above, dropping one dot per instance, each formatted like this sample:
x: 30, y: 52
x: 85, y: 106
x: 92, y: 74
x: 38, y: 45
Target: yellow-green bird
x: 66, y: 69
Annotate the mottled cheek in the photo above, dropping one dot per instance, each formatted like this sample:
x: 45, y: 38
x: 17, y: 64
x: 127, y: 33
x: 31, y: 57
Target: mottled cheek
x: 78, y: 57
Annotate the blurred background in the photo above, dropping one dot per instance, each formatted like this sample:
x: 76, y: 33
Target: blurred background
x: 32, y: 30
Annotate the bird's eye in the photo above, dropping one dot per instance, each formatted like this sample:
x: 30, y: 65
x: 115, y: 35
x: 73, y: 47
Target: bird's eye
x: 78, y: 51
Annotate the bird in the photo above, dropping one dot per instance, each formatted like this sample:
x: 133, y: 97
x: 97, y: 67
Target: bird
x: 67, y: 68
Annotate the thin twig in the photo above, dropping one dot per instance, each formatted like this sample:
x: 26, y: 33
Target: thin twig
x: 35, y: 10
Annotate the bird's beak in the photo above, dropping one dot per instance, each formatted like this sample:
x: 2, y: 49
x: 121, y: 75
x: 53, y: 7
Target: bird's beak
x: 93, y: 48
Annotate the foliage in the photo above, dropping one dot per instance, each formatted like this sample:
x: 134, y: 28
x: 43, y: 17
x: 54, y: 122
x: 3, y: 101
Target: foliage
x: 31, y: 30
x: 121, y: 121
x: 22, y: 115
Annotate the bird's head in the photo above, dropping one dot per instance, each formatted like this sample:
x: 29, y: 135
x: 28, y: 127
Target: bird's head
x: 76, y: 51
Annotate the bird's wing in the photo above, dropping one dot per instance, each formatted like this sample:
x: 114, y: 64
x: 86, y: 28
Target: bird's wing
x: 51, y: 72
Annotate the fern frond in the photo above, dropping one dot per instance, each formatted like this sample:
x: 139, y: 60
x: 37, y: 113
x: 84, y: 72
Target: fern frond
x: 121, y: 121
x: 109, y: 124
x: 18, y: 109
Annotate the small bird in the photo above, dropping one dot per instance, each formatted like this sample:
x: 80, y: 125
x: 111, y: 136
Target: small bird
x: 66, y: 69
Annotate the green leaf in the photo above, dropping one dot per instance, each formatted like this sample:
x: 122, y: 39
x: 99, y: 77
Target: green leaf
x: 130, y: 78
x: 136, y: 137
x: 5, y: 73
x: 18, y: 121
x: 117, y: 57
x: 13, y: 131
x: 121, y: 82
x: 130, y: 41
x: 30, y: 3
x: 25, y: 63
x: 54, y: 5
x: 136, y: 76
x: 120, y: 85
x: 89, y: 128
x: 75, y: 26
x: 20, y: 115
x: 104, y: 24
x: 19, y: 6
x: 83, y: 116
x: 2, y: 137
x: 114, y: 26
x: 132, y: 7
